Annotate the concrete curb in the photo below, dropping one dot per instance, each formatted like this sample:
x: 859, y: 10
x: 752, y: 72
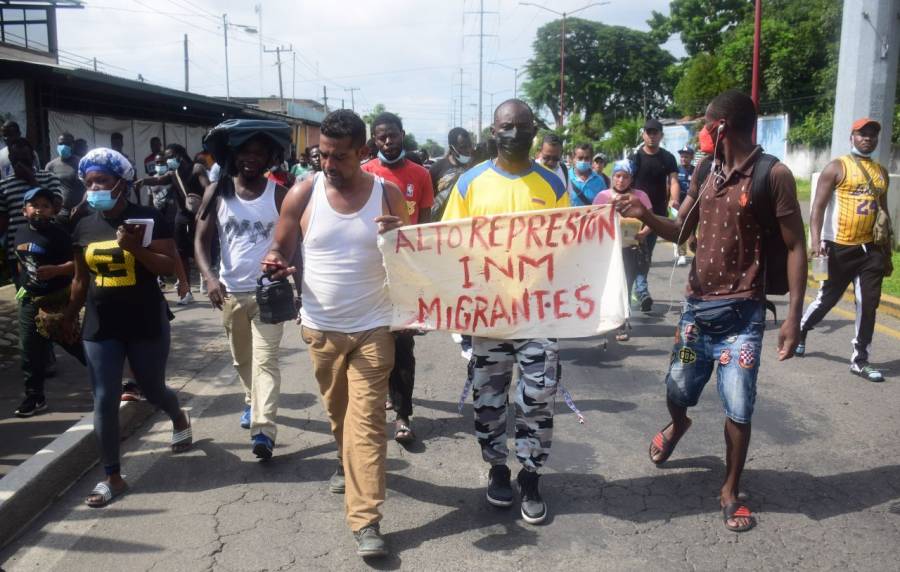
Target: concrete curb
x: 889, y: 305
x: 27, y: 490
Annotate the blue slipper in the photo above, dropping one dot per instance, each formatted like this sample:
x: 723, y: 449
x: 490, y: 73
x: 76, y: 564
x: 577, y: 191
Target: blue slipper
x: 262, y: 447
x: 245, y: 417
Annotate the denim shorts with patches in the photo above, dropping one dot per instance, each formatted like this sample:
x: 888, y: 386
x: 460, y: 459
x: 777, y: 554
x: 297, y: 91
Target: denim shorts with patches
x: 736, y: 355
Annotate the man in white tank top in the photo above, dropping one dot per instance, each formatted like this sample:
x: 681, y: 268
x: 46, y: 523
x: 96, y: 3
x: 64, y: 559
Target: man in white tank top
x: 242, y: 208
x: 346, y: 310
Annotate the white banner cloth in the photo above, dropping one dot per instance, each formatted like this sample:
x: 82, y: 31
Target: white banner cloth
x: 554, y: 273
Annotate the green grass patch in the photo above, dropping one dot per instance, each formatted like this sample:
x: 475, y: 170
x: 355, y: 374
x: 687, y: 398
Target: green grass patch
x: 891, y: 284
x: 804, y: 190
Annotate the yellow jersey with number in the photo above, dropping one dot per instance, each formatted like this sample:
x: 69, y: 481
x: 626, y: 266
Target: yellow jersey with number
x: 851, y: 212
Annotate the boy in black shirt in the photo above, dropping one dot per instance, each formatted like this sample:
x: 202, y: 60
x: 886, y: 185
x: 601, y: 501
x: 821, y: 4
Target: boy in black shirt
x: 44, y: 253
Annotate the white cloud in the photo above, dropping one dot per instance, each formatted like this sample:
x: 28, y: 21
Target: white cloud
x: 404, y: 53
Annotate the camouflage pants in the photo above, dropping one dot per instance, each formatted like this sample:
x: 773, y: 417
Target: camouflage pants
x: 493, y: 363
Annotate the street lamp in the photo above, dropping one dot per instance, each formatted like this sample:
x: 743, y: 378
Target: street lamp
x: 516, y: 74
x: 246, y: 29
x: 562, y: 50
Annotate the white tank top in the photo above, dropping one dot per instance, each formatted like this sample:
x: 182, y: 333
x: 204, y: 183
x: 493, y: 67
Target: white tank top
x: 344, y: 281
x: 246, y: 230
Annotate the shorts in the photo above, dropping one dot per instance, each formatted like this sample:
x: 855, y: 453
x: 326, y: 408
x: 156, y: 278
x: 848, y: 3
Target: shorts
x: 736, y: 353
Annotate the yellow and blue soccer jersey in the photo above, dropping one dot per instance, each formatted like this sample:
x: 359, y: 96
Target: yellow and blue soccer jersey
x: 486, y: 189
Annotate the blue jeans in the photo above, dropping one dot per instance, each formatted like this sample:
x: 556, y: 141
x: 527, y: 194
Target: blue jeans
x: 737, y: 354
x: 641, y: 288
x: 105, y: 360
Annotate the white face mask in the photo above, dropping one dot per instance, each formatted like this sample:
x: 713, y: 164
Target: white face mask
x: 856, y: 151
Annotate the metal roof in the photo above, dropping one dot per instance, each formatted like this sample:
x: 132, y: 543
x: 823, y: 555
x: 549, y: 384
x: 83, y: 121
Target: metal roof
x: 43, y: 3
x: 118, y: 86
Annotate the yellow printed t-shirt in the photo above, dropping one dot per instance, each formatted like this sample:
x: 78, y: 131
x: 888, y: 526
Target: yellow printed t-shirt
x: 486, y: 189
x: 851, y: 212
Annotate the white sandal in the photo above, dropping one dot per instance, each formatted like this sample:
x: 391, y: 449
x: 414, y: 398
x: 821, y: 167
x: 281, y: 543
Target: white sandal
x: 182, y: 440
x: 106, y: 494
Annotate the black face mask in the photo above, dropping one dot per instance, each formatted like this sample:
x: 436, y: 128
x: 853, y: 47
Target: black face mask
x: 516, y: 143
x: 40, y: 223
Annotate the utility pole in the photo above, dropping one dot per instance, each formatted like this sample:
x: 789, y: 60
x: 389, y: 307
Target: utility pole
x: 867, y: 68
x: 325, y: 97
x: 258, y: 9
x: 481, y: 36
x: 95, y: 63
x: 186, y: 83
x: 562, y: 51
x: 352, y: 101
x: 277, y: 51
x: 227, y: 78
x: 460, y: 95
x: 293, y: 76
x: 516, y: 75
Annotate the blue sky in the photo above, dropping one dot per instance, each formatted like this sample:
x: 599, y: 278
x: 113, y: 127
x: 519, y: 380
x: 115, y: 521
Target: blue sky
x: 405, y: 54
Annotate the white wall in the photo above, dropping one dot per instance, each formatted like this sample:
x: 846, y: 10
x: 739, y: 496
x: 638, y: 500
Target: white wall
x: 803, y: 161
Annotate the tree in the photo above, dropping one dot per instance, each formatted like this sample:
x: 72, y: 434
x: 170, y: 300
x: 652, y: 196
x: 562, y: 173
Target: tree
x: 376, y: 111
x: 433, y: 148
x: 701, y: 24
x: 409, y: 142
x: 623, y: 136
x: 702, y: 79
x: 610, y: 70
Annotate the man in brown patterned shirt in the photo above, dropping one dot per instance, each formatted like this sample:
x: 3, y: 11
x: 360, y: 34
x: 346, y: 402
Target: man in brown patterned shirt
x: 723, y: 319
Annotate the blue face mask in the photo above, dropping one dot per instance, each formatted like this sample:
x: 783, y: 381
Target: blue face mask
x: 101, y: 199
x: 172, y: 164
x: 387, y: 161
x: 162, y: 169
x: 582, y: 166
x: 64, y: 151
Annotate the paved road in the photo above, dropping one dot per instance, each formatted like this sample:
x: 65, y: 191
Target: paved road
x: 821, y: 476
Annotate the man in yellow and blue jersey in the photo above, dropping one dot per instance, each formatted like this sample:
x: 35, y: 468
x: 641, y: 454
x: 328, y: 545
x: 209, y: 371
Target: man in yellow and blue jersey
x: 852, y: 189
x: 512, y: 183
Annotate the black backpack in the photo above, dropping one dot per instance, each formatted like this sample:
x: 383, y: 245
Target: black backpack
x: 774, y: 250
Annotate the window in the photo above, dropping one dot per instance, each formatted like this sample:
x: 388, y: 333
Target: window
x: 25, y: 28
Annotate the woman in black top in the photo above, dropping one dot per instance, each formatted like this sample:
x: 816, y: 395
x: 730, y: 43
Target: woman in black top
x: 125, y: 312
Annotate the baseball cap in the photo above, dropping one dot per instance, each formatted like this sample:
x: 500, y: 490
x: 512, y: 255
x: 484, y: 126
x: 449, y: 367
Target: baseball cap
x: 862, y: 122
x: 653, y: 124
x: 37, y: 192
x: 600, y: 157
x: 686, y: 150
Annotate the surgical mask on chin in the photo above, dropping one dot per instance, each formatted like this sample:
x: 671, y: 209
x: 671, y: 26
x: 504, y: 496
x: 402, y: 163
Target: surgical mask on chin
x: 384, y: 160
x: 582, y: 166
x: 514, y: 141
x: 64, y: 151
x: 859, y: 153
x: 463, y: 159
x: 173, y: 164
x: 162, y: 169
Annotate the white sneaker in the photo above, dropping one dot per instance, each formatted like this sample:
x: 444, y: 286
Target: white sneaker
x: 188, y: 299
x: 466, y: 354
x: 682, y: 261
x: 457, y: 339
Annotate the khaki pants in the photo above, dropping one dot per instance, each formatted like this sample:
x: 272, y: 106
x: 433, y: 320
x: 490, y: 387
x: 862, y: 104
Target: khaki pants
x: 254, y: 349
x: 352, y: 371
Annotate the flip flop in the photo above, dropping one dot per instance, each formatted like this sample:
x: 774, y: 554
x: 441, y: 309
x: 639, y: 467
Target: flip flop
x: 663, y: 445
x: 106, y: 494
x: 737, y: 510
x: 182, y: 440
x: 403, y: 434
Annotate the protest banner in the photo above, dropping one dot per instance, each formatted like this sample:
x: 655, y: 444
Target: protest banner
x: 549, y: 273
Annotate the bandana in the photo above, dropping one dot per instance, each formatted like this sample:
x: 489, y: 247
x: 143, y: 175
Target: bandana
x: 623, y: 165
x: 106, y: 161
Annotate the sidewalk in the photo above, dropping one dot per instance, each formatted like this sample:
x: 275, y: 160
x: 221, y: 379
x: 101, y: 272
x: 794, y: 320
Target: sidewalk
x: 64, y: 433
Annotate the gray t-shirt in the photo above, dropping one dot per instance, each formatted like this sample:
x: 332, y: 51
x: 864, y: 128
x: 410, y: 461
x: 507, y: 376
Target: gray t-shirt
x: 70, y: 185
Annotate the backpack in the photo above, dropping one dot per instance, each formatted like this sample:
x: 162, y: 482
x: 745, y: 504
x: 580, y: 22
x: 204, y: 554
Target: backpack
x: 773, y: 249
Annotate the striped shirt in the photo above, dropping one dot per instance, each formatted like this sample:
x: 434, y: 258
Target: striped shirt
x: 12, y: 191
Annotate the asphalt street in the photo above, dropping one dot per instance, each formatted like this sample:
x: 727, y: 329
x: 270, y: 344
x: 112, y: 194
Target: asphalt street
x: 824, y: 494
